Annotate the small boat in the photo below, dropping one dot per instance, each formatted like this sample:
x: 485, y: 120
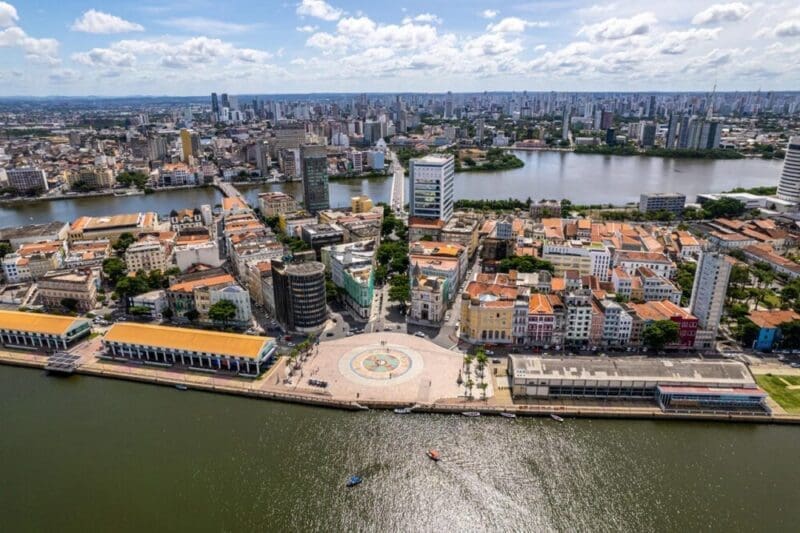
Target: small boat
x: 353, y: 481
x: 508, y: 415
x: 403, y: 411
x: 556, y: 417
x: 433, y: 455
x: 181, y: 386
x: 471, y: 413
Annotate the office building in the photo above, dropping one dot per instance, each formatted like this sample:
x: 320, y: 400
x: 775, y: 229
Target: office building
x: 789, y: 184
x: 190, y: 145
x: 214, y: 104
x: 708, y: 295
x: 246, y: 355
x: 669, y: 383
x: 314, y: 165
x: 432, y: 187
x: 672, y: 202
x: 672, y: 131
x: 299, y: 295
x: 42, y: 331
x: 27, y: 179
x: 58, y: 287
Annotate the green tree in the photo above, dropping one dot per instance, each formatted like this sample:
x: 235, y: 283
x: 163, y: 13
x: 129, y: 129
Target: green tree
x: 659, y: 333
x: 125, y: 240
x: 114, y: 269
x: 192, y: 315
x: 5, y: 249
x: 222, y: 311
x: 790, y: 335
x: 400, y: 289
x: 139, y: 310
x: 524, y: 264
x: 331, y: 290
x: 723, y: 207
x: 167, y: 314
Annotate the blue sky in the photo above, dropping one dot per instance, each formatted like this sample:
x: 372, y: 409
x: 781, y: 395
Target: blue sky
x: 193, y: 47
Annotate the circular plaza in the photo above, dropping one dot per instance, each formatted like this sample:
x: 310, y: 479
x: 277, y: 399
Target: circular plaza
x: 384, y: 366
x: 381, y: 364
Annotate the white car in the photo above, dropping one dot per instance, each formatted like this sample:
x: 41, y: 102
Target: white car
x: 419, y: 334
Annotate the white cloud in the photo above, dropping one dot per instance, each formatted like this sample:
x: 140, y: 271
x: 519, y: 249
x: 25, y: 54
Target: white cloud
x: 489, y: 13
x: 715, y: 58
x: 789, y: 28
x: 63, y: 75
x: 105, y: 57
x: 617, y: 28
x: 8, y: 15
x: 424, y: 18
x: 37, y: 50
x: 514, y: 25
x: 722, y: 13
x: 675, y: 42
x: 205, y: 25
x: 308, y: 28
x: 539, y: 47
x: 328, y: 43
x: 318, y: 9
x: 94, y: 21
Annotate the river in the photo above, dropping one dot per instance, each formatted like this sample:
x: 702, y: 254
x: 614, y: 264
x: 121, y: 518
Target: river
x: 82, y: 454
x: 579, y: 177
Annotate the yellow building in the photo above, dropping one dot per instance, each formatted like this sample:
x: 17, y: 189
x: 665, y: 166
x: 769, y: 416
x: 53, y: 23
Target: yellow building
x: 246, y: 355
x: 41, y: 331
x: 190, y: 144
x: 360, y: 204
x: 487, y: 312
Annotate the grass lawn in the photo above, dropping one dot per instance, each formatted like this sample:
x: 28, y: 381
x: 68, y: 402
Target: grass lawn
x: 776, y: 387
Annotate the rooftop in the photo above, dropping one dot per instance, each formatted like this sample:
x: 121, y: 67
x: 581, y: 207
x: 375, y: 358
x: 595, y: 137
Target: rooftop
x: 677, y: 371
x: 772, y: 319
x: 192, y: 340
x: 37, y: 322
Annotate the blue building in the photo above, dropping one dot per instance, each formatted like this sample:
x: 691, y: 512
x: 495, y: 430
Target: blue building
x: 769, y: 322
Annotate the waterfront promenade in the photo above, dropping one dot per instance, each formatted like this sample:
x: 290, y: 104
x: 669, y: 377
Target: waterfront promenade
x: 430, y: 389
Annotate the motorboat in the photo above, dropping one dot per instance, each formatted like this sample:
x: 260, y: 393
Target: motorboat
x: 508, y: 415
x: 433, y: 455
x: 403, y: 411
x: 181, y: 386
x: 352, y: 481
x: 556, y: 417
x: 471, y: 413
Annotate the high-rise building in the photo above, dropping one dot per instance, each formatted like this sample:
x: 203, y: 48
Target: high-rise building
x: 299, y: 293
x: 190, y: 144
x: 224, y: 100
x: 25, y: 179
x: 314, y: 166
x: 262, y: 157
x: 789, y: 185
x: 649, y: 135
x: 432, y: 187
x: 672, y: 130
x: 565, y: 125
x: 708, y: 294
x: 214, y: 103
x: 606, y: 120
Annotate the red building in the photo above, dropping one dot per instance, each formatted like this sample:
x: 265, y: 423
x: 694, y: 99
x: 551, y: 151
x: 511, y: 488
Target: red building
x: 648, y: 312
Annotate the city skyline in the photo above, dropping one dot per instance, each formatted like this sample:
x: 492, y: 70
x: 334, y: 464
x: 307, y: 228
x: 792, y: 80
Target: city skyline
x: 117, y: 49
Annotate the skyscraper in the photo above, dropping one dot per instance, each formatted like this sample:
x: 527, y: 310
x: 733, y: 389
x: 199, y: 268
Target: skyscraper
x: 299, y: 295
x: 672, y: 130
x: 190, y: 144
x: 314, y: 165
x: 789, y: 185
x: 708, y: 295
x: 432, y: 187
x: 214, y: 104
x: 224, y: 100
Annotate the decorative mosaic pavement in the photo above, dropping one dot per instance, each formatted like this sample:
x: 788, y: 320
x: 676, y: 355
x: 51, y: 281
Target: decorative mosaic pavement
x: 380, y: 364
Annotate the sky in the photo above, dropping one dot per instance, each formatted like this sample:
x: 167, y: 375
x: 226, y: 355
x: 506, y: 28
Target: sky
x: 194, y: 47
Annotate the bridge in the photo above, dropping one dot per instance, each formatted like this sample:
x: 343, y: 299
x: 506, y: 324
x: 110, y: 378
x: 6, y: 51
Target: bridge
x: 397, y: 201
x: 227, y: 189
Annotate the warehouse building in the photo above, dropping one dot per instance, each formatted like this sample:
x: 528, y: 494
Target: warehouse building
x: 246, y: 355
x: 672, y: 383
x: 35, y: 331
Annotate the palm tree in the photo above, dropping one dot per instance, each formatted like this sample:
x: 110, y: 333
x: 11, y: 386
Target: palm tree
x: 470, y: 384
x: 483, y: 386
x: 482, y: 360
x: 468, y: 364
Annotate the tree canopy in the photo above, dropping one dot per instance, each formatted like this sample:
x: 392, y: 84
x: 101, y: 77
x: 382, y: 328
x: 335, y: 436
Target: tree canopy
x: 659, y: 333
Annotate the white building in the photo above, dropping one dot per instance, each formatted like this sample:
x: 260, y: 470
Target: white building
x: 193, y: 253
x: 708, y: 295
x: 236, y: 295
x: 789, y: 184
x: 432, y: 187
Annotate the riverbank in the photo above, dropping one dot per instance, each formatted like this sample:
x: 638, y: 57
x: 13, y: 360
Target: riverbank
x: 270, y: 387
x: 117, y: 193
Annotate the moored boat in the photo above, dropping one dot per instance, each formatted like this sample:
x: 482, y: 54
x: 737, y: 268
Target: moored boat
x: 403, y: 411
x: 508, y: 415
x: 471, y: 413
x: 181, y: 386
x: 433, y: 455
x: 352, y: 481
x: 556, y: 417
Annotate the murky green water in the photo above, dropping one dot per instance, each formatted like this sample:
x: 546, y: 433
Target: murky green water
x: 84, y: 454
